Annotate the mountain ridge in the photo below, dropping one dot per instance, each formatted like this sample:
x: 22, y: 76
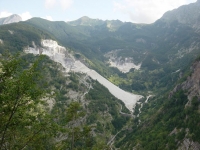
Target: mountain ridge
x: 187, y: 14
x: 10, y: 19
x: 85, y: 21
x: 112, y: 25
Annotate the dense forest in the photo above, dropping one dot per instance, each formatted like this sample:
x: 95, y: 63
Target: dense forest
x: 38, y: 113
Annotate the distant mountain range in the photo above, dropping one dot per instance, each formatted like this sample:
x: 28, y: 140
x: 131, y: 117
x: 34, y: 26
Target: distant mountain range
x: 86, y: 21
x: 112, y: 25
x: 11, y: 19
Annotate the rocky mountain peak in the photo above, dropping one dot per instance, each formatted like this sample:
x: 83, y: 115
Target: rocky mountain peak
x: 187, y: 14
x: 11, y: 19
x: 85, y: 18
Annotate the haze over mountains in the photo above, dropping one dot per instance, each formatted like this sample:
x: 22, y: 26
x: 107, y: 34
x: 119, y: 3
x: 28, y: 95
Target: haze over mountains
x: 163, y: 66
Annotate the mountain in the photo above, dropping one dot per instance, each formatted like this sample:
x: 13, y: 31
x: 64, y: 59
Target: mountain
x: 11, y: 19
x: 169, y: 121
x: 14, y: 37
x: 188, y: 14
x: 112, y: 25
x: 162, y: 47
x: 99, y: 106
x: 166, y: 49
x: 85, y: 21
x: 159, y: 61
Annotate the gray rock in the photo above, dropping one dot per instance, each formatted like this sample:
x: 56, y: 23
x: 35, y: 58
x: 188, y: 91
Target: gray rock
x: 11, y: 19
x: 191, y: 85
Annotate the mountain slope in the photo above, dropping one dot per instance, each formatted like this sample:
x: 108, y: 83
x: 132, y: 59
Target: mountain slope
x: 165, y: 49
x: 112, y: 25
x: 160, y: 48
x: 65, y: 88
x: 11, y: 19
x: 168, y: 121
x: 188, y: 14
x: 14, y: 37
x: 85, y: 21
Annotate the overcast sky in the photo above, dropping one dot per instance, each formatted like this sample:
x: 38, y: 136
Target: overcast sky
x: 137, y: 11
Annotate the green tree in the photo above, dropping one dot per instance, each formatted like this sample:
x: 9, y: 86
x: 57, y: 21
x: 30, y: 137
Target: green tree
x: 23, y: 116
x: 75, y: 134
x: 74, y: 114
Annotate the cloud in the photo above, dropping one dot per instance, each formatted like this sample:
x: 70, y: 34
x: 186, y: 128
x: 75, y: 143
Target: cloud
x: 143, y: 11
x: 49, y: 18
x: 66, y: 3
x: 50, y: 3
x: 25, y: 16
x: 119, y: 6
x: 5, y: 14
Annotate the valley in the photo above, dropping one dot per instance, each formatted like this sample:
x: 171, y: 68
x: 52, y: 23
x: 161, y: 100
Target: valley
x: 101, y: 84
x: 61, y: 55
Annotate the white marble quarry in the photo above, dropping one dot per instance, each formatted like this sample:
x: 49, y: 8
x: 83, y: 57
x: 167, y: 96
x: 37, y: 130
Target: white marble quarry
x: 123, y: 64
x: 61, y: 55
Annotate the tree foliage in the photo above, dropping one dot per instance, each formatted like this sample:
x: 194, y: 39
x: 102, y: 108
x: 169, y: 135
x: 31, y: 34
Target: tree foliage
x: 24, y: 119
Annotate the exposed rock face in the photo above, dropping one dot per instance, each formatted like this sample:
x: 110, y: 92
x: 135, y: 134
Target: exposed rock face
x: 11, y: 32
x: 1, y: 41
x: 192, y: 84
x: 189, y: 145
x: 61, y: 55
x: 10, y: 19
x: 123, y: 64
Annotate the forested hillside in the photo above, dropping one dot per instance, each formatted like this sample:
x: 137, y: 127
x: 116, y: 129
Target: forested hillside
x: 43, y: 106
x: 169, y: 121
x: 39, y: 103
x: 42, y: 118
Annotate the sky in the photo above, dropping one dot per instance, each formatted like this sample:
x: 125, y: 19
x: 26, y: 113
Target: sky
x: 136, y: 11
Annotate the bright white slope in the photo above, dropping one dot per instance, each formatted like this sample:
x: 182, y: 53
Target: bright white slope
x: 123, y: 64
x: 61, y: 55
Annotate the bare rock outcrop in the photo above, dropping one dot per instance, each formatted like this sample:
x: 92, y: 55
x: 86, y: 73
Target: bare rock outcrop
x: 124, y: 64
x: 192, y: 84
x: 189, y: 145
x: 11, y: 19
x: 61, y: 55
x: 192, y: 88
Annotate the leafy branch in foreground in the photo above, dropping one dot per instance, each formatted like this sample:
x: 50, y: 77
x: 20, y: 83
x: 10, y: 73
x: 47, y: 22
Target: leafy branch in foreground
x: 23, y: 115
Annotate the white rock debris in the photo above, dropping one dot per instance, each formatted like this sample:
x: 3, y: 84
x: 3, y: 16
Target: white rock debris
x: 11, y: 19
x: 61, y: 55
x: 1, y: 41
x: 123, y: 64
x: 11, y: 32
